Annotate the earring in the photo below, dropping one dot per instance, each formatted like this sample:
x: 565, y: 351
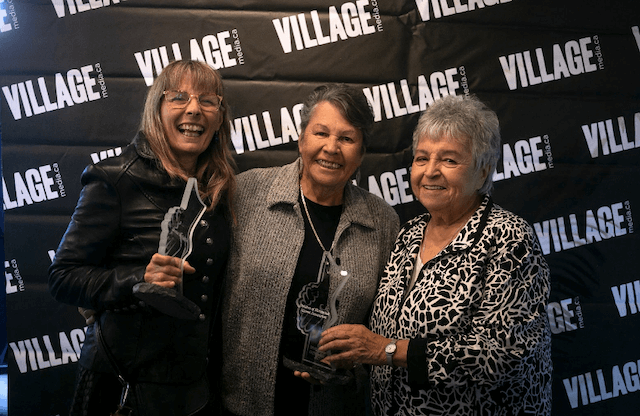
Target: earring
x: 216, y: 137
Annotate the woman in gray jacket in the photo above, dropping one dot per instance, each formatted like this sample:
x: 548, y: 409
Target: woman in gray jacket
x: 293, y: 223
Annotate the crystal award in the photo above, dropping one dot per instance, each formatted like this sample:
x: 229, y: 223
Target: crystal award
x: 176, y: 239
x: 313, y: 317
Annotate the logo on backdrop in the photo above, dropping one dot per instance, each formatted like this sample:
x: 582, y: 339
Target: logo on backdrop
x: 31, y: 356
x: 33, y: 186
x: 14, y: 281
x: 8, y: 16
x: 104, y: 154
x: 441, y: 8
x: 77, y: 86
x: 351, y: 21
x: 383, y: 99
x: 607, y: 222
x: 250, y: 127
x: 596, y: 386
x: 77, y: 6
x: 216, y: 50
x: 636, y: 34
x: 612, y: 136
x: 627, y: 298
x: 575, y: 57
x: 524, y: 157
x: 394, y: 187
x: 565, y: 315
x: 440, y: 83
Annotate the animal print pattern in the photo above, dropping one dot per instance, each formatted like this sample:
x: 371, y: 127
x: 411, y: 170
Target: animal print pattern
x: 477, y: 314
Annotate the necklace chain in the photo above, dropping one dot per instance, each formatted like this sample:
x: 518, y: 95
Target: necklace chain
x: 313, y: 228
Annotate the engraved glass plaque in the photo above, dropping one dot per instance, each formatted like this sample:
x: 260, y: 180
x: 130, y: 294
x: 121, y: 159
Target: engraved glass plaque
x: 313, y: 316
x: 176, y: 239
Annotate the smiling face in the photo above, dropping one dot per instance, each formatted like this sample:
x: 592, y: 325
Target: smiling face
x: 331, y: 151
x: 444, y: 178
x: 189, y: 130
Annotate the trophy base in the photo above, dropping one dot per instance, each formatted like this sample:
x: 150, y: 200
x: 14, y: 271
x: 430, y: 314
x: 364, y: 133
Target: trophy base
x: 167, y: 301
x: 340, y: 377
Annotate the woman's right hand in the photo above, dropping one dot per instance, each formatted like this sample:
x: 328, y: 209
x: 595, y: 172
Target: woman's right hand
x: 165, y: 270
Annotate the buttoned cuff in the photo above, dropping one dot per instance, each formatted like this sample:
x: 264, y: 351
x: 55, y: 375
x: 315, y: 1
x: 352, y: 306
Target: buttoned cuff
x: 417, y: 363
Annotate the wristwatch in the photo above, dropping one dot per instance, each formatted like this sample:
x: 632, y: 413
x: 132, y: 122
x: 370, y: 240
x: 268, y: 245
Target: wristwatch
x: 390, y: 349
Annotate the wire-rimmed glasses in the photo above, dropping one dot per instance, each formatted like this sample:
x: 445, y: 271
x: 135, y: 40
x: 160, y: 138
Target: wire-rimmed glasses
x: 180, y: 99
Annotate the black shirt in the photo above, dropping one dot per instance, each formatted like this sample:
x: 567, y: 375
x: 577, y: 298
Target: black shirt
x: 292, y: 393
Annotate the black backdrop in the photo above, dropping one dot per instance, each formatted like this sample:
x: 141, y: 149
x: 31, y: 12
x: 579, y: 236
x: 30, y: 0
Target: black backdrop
x: 561, y: 74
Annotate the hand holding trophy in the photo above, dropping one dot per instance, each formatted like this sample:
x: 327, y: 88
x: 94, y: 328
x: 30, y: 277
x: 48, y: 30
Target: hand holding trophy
x: 313, y: 318
x: 175, y: 241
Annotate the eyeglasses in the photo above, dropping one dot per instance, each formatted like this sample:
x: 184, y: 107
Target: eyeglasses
x: 180, y: 99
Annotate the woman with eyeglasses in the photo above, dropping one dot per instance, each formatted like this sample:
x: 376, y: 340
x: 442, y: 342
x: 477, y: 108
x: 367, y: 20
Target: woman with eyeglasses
x: 136, y: 356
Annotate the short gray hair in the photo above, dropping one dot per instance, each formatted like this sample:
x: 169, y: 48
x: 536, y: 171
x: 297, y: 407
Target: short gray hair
x: 468, y: 120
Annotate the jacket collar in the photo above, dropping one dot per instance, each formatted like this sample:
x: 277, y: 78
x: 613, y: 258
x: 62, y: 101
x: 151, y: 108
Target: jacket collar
x: 142, y: 146
x: 158, y: 174
x: 285, y: 189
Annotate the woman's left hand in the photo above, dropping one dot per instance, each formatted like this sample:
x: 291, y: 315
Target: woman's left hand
x: 351, y: 344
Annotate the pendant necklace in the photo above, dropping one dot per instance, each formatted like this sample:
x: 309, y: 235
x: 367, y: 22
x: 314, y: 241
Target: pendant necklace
x: 327, y: 266
x: 313, y: 228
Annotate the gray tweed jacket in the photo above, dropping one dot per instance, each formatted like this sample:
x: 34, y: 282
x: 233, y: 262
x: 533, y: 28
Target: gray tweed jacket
x: 265, y: 246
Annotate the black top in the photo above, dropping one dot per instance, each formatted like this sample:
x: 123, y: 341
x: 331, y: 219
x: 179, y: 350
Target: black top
x: 292, y: 393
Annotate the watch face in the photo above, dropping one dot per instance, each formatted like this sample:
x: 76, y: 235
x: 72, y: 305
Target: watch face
x: 390, y: 349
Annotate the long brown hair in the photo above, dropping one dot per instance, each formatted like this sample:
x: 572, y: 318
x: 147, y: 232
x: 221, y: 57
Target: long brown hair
x: 215, y: 170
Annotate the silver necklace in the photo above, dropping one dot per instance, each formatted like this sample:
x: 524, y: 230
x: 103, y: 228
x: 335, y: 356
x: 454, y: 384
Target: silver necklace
x: 313, y: 228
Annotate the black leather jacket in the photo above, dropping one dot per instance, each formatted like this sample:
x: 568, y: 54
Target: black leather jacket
x: 113, y: 233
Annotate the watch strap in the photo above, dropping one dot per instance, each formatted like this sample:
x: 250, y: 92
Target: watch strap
x: 390, y: 354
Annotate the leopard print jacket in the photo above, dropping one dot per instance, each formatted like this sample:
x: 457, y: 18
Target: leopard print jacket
x: 480, y: 342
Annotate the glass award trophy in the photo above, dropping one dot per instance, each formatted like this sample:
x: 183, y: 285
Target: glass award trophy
x: 313, y: 317
x: 176, y: 240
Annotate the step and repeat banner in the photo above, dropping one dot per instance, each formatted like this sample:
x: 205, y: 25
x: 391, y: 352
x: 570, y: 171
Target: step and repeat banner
x: 563, y: 76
